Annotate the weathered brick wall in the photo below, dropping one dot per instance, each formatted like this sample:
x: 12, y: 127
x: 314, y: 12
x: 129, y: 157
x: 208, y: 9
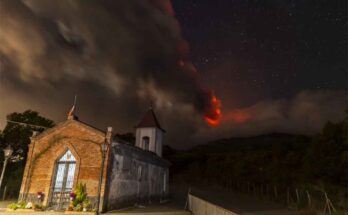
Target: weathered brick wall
x: 84, y: 143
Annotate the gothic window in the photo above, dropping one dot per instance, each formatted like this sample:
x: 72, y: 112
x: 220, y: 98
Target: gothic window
x: 65, y: 171
x: 146, y: 143
x: 64, y: 179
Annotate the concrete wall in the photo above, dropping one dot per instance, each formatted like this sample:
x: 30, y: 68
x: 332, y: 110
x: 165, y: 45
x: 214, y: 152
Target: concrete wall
x: 135, y: 176
x: 200, y: 206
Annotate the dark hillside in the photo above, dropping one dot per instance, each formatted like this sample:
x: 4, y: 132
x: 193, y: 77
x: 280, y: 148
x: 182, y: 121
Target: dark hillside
x: 318, y: 162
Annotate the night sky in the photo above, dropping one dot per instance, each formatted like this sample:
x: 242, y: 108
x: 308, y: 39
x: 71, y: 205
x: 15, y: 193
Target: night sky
x: 252, y: 50
x: 270, y: 66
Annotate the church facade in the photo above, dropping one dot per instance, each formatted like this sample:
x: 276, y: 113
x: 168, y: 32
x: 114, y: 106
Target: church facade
x: 70, y: 153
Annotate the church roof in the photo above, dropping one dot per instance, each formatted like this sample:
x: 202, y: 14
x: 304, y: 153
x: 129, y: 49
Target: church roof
x: 149, y: 120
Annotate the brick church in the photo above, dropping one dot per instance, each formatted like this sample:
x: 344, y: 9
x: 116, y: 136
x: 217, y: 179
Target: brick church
x: 70, y: 153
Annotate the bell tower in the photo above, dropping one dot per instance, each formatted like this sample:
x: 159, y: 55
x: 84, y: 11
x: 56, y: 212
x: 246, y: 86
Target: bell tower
x: 149, y: 133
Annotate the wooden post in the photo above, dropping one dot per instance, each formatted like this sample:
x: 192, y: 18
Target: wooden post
x: 328, y: 205
x: 297, y: 198
x: 187, y: 199
x: 309, y: 199
x: 4, y: 194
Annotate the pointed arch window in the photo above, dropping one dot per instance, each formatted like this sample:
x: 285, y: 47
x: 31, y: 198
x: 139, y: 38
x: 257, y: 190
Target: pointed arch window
x: 64, y: 179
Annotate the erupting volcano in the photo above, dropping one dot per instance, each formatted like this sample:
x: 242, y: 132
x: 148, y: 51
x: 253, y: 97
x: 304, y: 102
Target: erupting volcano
x: 212, y: 116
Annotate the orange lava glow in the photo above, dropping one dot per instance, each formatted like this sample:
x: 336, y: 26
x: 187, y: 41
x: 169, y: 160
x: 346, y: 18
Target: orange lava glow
x: 212, y: 117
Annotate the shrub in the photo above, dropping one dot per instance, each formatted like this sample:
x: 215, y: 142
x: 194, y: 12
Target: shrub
x: 80, y: 196
x: 17, y: 205
x: 13, y: 206
x: 21, y: 205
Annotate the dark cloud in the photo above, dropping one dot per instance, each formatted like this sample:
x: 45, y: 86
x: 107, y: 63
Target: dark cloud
x: 119, y: 45
x: 117, y: 56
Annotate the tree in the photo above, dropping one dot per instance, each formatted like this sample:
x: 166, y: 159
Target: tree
x: 17, y: 134
x: 20, y: 127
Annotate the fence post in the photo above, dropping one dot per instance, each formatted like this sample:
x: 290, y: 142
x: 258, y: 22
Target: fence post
x: 328, y: 205
x: 309, y: 199
x: 187, y: 199
x: 4, y: 194
x: 297, y: 198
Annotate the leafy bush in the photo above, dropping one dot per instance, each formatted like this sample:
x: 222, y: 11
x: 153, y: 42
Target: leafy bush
x: 81, y: 195
x: 17, y: 205
x: 13, y: 206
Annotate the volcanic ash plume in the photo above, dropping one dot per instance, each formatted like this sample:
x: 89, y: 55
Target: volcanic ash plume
x: 130, y: 48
